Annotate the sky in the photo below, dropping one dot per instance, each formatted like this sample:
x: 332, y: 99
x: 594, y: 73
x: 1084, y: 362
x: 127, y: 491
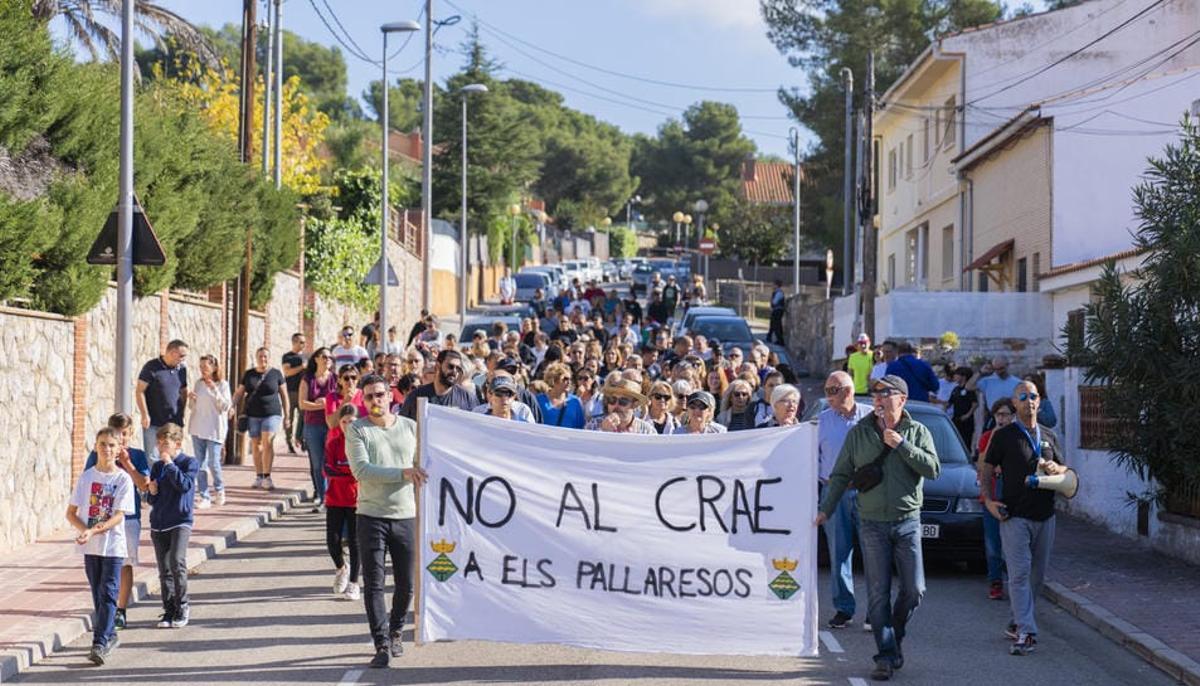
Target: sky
x: 691, y: 43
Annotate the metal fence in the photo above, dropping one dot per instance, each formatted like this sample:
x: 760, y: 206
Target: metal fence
x: 752, y: 299
x: 1096, y: 426
x: 1184, y: 499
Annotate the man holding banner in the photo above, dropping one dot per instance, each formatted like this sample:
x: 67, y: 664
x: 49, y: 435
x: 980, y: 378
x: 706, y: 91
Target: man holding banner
x: 887, y: 459
x: 380, y: 448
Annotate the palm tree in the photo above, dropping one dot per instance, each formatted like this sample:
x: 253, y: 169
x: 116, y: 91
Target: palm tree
x: 97, y: 38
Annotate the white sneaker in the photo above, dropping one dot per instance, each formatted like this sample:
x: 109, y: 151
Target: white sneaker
x: 866, y: 626
x: 352, y: 592
x: 203, y: 504
x: 258, y: 482
x: 220, y: 497
x: 267, y: 484
x: 340, y: 579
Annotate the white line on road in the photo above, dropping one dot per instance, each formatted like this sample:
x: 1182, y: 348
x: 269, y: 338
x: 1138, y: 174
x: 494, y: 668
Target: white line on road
x: 350, y: 678
x: 857, y: 681
x: 831, y: 643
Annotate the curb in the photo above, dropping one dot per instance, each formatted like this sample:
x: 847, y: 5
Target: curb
x: 1178, y: 666
x: 58, y: 634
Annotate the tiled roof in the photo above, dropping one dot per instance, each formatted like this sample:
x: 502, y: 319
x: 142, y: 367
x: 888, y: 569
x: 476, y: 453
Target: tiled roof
x: 1085, y: 264
x: 770, y: 183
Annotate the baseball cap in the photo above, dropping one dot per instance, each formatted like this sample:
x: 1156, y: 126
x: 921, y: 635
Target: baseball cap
x: 508, y: 364
x: 704, y: 397
x: 890, y: 381
x: 864, y: 338
x: 504, y: 382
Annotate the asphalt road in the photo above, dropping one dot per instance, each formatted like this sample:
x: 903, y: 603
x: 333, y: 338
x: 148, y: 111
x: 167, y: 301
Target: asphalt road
x: 262, y: 613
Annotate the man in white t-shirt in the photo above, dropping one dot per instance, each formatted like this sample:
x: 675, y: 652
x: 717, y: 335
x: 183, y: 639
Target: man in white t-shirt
x: 97, y: 509
x: 888, y: 350
x: 508, y: 287
x: 346, y: 352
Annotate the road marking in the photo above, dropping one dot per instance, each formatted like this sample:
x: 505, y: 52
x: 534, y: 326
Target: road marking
x: 831, y: 643
x: 857, y: 681
x: 350, y: 678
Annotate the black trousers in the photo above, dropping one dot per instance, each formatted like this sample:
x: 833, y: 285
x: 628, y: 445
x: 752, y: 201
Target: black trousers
x: 170, y: 552
x: 377, y: 538
x: 337, y: 519
x: 775, y: 332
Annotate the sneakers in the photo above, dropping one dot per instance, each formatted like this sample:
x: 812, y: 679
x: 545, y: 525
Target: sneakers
x: 1010, y: 631
x: 267, y: 484
x: 258, y: 482
x: 882, y: 672
x: 1024, y: 645
x: 396, y: 645
x: 381, y: 658
x: 352, y: 592
x: 867, y: 626
x: 164, y: 621
x: 203, y: 504
x: 181, y: 620
x: 340, y: 579
x: 996, y: 592
x: 841, y: 620
x: 220, y: 497
x: 99, y: 654
x: 120, y: 621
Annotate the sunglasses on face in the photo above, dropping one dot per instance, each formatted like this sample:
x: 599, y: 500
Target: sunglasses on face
x: 741, y: 394
x: 347, y: 334
x: 1027, y: 396
x: 698, y: 406
x: 350, y: 377
x: 885, y: 393
x: 661, y: 397
x: 505, y: 393
x: 833, y: 390
x: 375, y: 396
x: 621, y: 402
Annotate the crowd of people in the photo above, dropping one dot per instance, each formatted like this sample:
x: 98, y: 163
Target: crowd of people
x: 588, y: 360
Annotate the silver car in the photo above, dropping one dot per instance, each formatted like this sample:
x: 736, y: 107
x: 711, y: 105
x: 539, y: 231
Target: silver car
x: 529, y: 282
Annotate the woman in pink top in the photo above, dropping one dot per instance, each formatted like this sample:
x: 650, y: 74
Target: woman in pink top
x: 316, y: 384
x: 347, y: 392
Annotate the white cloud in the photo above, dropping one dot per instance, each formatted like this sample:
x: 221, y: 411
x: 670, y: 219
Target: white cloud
x: 729, y: 14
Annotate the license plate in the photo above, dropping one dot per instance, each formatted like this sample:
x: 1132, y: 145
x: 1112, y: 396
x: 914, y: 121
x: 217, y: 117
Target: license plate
x: 930, y: 531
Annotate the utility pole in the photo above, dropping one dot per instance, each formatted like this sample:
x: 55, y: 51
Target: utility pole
x: 848, y: 185
x: 870, y: 244
x: 427, y: 162
x: 124, y: 343
x: 267, y: 103
x: 278, y: 33
x: 795, y: 144
x: 241, y: 318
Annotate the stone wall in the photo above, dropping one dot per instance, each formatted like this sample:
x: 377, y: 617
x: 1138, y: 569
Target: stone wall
x: 35, y: 392
x: 284, y: 314
x: 808, y: 329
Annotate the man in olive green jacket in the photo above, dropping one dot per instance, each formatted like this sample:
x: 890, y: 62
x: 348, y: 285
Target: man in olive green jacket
x: 889, y: 512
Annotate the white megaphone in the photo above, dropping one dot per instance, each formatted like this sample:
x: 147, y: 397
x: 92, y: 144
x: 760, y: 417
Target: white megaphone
x: 1066, y: 483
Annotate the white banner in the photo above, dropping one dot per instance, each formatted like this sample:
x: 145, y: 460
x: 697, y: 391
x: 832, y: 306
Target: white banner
x: 683, y: 544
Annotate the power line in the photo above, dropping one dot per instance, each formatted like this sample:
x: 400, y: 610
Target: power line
x: 612, y: 72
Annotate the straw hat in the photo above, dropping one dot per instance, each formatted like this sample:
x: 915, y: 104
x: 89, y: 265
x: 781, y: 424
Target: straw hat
x: 624, y: 388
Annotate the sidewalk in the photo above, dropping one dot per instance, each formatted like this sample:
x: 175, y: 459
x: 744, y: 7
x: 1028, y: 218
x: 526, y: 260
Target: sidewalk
x: 43, y: 593
x: 1142, y: 599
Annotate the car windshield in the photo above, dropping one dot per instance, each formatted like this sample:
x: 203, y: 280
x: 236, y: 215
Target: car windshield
x: 643, y: 269
x: 946, y: 440
x: 530, y: 280
x: 722, y: 329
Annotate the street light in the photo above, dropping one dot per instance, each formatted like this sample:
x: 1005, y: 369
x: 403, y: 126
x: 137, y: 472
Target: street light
x: 687, y: 229
x: 606, y: 222
x: 394, y: 27
x: 514, y: 210
x: 678, y: 219
x: 635, y: 200
x: 464, y: 242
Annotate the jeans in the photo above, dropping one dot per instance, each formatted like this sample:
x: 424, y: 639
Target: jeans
x: 314, y: 436
x: 337, y: 520
x: 103, y: 575
x: 1027, y: 545
x: 170, y: 551
x: 376, y: 539
x: 888, y: 546
x: 208, y: 453
x: 775, y: 330
x: 295, y: 416
x: 992, y: 547
x: 840, y: 530
x: 150, y: 443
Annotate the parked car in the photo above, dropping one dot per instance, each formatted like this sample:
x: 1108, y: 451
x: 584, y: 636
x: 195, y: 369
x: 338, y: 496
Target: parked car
x: 610, y: 270
x: 951, y: 514
x: 529, y: 282
x: 557, y: 273
x: 734, y: 332
x: 641, y: 278
x: 483, y: 322
x: 701, y: 311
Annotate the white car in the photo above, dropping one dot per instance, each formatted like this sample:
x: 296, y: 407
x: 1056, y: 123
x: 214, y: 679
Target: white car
x: 556, y: 273
x: 529, y: 282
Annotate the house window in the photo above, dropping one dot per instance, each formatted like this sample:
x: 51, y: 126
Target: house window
x: 925, y: 140
x: 1096, y: 426
x: 948, y: 252
x: 892, y: 270
x: 908, y: 157
x: 950, y: 119
x: 892, y: 169
x: 1022, y: 275
x: 983, y: 282
x: 1037, y: 269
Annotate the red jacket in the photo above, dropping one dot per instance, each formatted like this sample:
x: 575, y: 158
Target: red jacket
x: 343, y: 488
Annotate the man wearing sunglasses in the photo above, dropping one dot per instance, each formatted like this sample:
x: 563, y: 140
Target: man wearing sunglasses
x: 1026, y: 514
x: 445, y: 389
x: 833, y: 424
x: 900, y: 453
x: 346, y: 352
x: 380, y: 449
x: 622, y: 398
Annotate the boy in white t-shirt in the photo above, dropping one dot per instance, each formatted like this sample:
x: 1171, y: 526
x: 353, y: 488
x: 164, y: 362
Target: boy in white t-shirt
x: 102, y: 498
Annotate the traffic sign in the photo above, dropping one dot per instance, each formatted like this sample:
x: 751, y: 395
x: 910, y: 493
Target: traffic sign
x: 372, y: 277
x: 707, y: 246
x: 146, y: 248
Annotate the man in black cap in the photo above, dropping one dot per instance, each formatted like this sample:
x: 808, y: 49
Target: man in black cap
x: 887, y: 457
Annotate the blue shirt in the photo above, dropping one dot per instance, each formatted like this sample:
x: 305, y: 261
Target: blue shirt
x: 831, y: 434
x: 917, y: 374
x: 140, y: 463
x: 570, y: 415
x: 994, y: 388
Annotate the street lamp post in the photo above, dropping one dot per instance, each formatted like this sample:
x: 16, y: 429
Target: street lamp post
x: 464, y: 241
x: 635, y: 200
x: 678, y: 219
x: 394, y: 27
x: 687, y: 235
x: 700, y: 207
x: 515, y: 211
